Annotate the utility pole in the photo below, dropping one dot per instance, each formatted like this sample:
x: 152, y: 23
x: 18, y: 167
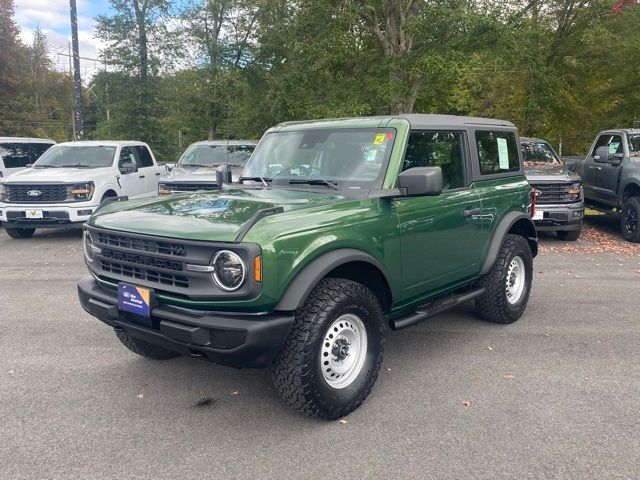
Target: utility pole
x: 73, y: 120
x: 77, y: 82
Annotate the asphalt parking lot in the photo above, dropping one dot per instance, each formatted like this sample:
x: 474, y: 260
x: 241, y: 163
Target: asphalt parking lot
x: 555, y: 395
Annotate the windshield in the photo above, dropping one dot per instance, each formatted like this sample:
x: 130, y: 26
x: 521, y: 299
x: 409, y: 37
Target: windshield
x: 77, y: 156
x: 214, y: 155
x: 634, y: 144
x: 539, y: 152
x: 336, y: 158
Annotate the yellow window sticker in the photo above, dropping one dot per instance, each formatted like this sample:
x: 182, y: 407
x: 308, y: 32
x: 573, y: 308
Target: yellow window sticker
x: 379, y: 139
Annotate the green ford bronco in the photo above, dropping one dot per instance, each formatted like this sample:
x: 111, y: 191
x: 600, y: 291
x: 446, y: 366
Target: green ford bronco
x: 336, y: 230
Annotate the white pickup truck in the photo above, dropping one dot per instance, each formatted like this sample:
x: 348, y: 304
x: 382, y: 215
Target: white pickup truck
x: 70, y: 180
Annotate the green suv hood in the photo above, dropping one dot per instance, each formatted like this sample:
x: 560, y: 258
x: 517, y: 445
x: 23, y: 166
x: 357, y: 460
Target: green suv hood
x: 217, y: 216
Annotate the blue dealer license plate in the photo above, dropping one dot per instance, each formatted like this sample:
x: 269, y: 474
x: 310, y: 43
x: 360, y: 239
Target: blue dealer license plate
x: 134, y: 299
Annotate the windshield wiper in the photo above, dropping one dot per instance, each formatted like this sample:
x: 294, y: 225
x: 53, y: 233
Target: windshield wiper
x: 46, y: 166
x: 315, y: 181
x: 77, y: 165
x: 192, y: 165
x: 265, y: 181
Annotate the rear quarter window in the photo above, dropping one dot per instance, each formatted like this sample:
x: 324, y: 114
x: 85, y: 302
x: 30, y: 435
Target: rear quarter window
x: 497, y: 152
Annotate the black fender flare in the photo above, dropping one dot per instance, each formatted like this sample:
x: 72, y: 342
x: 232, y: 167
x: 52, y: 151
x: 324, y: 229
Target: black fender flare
x: 302, y: 284
x: 502, y: 229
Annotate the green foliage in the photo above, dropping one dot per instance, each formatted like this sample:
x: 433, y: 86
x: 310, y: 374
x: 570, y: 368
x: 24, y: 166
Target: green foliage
x: 559, y: 69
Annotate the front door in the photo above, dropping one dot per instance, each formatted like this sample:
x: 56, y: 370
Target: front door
x: 438, y: 233
x: 133, y: 183
x: 606, y: 177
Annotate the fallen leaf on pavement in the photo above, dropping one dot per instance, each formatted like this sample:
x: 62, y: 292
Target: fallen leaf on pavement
x: 342, y: 421
x: 141, y: 395
x: 235, y: 392
x: 509, y: 376
x: 466, y: 403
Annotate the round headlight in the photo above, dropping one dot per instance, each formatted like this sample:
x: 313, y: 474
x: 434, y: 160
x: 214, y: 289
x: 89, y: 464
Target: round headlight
x: 88, y: 246
x: 229, y: 271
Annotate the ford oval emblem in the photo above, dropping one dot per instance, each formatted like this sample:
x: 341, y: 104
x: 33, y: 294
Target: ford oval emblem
x: 34, y: 193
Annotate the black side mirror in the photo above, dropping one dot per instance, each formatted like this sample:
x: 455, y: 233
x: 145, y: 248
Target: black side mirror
x: 223, y: 175
x: 601, y: 155
x: 128, y: 167
x: 421, y: 181
x: 616, y: 159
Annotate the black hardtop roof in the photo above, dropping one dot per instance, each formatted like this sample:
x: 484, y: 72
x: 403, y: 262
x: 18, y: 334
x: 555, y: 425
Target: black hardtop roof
x: 426, y: 121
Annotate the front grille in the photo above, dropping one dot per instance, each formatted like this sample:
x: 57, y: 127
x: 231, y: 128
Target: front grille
x: 141, y: 260
x: 36, y: 193
x: 144, y: 245
x: 142, y: 273
x: 191, y: 187
x: 554, y: 193
x: 160, y: 263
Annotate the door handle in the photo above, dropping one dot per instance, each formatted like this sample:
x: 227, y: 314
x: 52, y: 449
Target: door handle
x: 141, y: 176
x: 158, y: 174
x: 472, y: 211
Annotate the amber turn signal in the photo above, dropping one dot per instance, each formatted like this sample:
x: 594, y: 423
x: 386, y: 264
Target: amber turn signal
x: 257, y: 268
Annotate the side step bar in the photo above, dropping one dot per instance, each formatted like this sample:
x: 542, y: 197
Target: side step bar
x: 434, y: 307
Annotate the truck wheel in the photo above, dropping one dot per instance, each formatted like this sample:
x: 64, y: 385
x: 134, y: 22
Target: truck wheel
x: 569, y: 235
x: 144, y: 349
x: 630, y: 220
x: 20, y: 232
x: 331, y: 359
x: 508, y: 283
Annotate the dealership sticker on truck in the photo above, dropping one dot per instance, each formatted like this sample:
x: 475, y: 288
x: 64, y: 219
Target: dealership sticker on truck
x: 33, y: 214
x: 538, y: 215
x: 134, y: 299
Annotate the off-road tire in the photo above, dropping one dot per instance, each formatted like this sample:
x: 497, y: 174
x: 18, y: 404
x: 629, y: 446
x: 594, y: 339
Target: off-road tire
x: 630, y: 206
x: 493, y: 305
x: 569, y: 235
x: 297, y: 372
x: 144, y: 349
x: 20, y: 233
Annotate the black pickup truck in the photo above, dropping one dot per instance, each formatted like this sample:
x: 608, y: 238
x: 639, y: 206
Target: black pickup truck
x: 611, y: 177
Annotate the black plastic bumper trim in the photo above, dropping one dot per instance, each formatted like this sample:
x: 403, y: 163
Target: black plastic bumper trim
x: 237, y: 340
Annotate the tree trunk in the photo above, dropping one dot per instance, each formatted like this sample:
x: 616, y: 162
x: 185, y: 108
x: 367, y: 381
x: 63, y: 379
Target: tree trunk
x: 388, y: 22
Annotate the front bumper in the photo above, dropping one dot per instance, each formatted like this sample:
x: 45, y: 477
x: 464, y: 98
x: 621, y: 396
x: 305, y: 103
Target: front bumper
x: 567, y: 216
x: 13, y: 215
x: 250, y: 340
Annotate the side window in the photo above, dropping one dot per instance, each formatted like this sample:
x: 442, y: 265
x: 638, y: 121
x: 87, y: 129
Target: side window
x: 37, y: 149
x: 614, y: 142
x: 127, y: 155
x: 497, y: 152
x: 603, y: 140
x: 616, y: 145
x: 438, y: 149
x: 15, y: 155
x: 144, y: 156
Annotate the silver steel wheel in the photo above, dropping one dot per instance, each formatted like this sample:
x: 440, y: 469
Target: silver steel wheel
x: 344, y: 350
x: 516, y: 280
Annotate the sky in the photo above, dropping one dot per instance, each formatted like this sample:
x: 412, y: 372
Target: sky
x: 52, y: 16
